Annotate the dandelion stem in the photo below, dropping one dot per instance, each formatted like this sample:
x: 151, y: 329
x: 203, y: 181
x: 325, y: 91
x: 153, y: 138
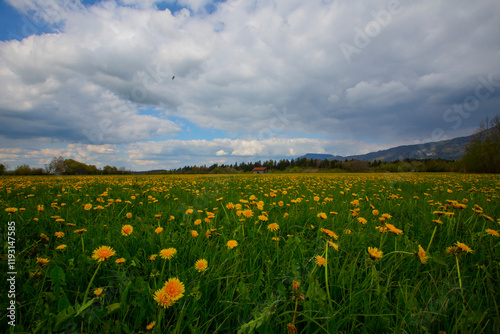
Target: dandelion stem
x: 90, y: 284
x: 326, y: 276
x: 83, y: 247
x: 295, y: 312
x: 432, y: 237
x: 459, y: 276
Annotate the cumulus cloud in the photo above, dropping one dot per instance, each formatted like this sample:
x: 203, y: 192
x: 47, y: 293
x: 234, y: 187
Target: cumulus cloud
x: 260, y: 70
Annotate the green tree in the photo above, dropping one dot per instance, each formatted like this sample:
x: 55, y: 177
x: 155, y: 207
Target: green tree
x: 483, y: 151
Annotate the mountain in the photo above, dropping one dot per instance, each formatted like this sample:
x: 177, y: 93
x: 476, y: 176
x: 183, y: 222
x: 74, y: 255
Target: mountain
x: 452, y: 149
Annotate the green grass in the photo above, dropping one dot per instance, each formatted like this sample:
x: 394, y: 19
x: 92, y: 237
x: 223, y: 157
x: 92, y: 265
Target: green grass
x: 249, y: 288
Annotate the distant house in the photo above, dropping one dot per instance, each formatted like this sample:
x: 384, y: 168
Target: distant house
x: 260, y: 170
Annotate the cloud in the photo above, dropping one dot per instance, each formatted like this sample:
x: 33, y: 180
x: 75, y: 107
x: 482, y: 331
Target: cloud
x: 255, y: 71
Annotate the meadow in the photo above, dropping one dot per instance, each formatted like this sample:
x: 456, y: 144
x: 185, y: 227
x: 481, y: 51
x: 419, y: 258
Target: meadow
x: 296, y: 253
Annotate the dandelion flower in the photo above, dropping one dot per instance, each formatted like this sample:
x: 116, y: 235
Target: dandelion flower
x: 333, y: 245
x: 492, y: 232
x: 153, y: 257
x: 128, y: 215
x: 11, y: 210
x: 421, y: 255
x: 273, y: 227
x: 61, y: 247
x: 453, y: 250
x: 98, y: 292
x: 232, y: 243
x: 87, y: 206
x: 151, y: 325
x: 464, y: 247
x: 247, y: 213
x: 295, y: 285
x: 189, y: 211
x: 59, y: 234
x: 320, y: 261
x: 362, y: 220
x: 201, y: 265
x: 43, y: 236
x: 331, y: 234
x: 80, y: 231
x: 42, y: 261
x: 158, y: 230
x: 168, y: 253
x: 197, y: 222
x: 194, y: 233
x: 375, y: 253
x: 393, y: 229
x: 375, y: 212
x: 162, y: 298
x: 127, y: 230
x: 102, y: 253
x: 174, y: 288
x: 120, y: 260
x: 322, y: 215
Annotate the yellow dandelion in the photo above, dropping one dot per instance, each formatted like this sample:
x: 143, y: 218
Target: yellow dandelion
x: 153, y: 257
x: 162, y: 299
x: 189, y: 211
x: 158, y: 230
x: 333, y: 245
x: 421, y: 255
x: 375, y: 212
x: 87, y: 206
x: 168, y: 253
x: 150, y: 325
x: 247, y: 213
x: 231, y: 244
x: 59, y: 234
x: 120, y: 260
x: 43, y: 236
x: 174, y: 288
x: 102, y: 253
x: 492, y: 232
x: 464, y: 247
x: 362, y: 220
x: 11, y: 210
x: 42, y: 261
x: 322, y: 215
x: 128, y: 215
x: 375, y: 253
x: 197, y: 222
x: 61, y: 247
x: 98, y: 292
x: 320, y: 261
x: 393, y: 229
x: 331, y: 234
x: 201, y: 265
x: 273, y: 227
x: 194, y: 233
x: 127, y: 230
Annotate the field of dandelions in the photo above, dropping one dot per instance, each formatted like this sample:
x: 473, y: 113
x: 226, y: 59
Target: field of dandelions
x: 343, y: 253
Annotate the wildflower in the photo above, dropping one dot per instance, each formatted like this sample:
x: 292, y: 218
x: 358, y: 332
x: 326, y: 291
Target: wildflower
x: 375, y: 253
x: 229, y: 206
x: 464, y: 247
x: 42, y: 261
x: 381, y: 229
x: 393, y: 229
x: 316, y: 198
x: 322, y: 215
x: 153, y: 257
x: 492, y: 232
x: 347, y: 231
x: 102, y: 253
x: 197, y: 222
x: 151, y: 325
x: 375, y: 212
x: 387, y: 216
x: 11, y: 210
x: 59, y: 220
x: 421, y: 255
x: 273, y: 227
x: 247, y: 213
x: 98, y: 292
x: 295, y: 285
x: 201, y: 265
x: 362, y: 220
x: 194, y: 233
x: 320, y: 261
x: 232, y: 243
x: 329, y: 233
x: 128, y: 215
x: 43, y: 236
x: 333, y: 245
x: 80, y: 231
x: 168, y: 253
x: 275, y: 238
x: 120, y: 260
x: 127, y: 230
x: 59, y: 234
x: 437, y: 222
x: 162, y: 299
x: 453, y: 250
x: 39, y: 208
x: 174, y: 288
x: 291, y: 329
x: 61, y: 247
x: 263, y: 218
x: 189, y: 211
x: 87, y: 206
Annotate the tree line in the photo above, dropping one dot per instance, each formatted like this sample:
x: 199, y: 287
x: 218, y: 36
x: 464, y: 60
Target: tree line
x: 482, y: 156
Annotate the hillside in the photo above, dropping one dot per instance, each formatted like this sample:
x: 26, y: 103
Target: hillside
x: 452, y: 149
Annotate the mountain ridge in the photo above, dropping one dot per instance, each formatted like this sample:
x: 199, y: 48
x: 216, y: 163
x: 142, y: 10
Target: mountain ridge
x: 450, y: 149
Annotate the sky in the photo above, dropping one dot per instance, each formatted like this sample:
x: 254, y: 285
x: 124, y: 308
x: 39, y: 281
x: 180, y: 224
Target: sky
x: 163, y: 84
